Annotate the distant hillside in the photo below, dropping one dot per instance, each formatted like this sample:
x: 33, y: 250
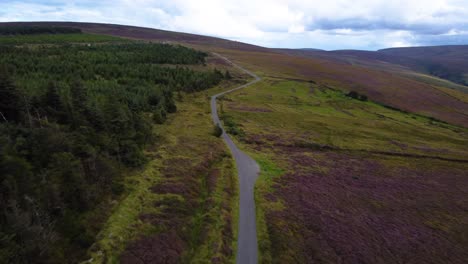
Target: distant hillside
x: 143, y: 33
x: 398, y: 81
x: 446, y: 62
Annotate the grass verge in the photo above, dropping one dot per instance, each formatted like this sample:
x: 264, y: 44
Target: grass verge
x: 186, y: 195
x: 268, y: 172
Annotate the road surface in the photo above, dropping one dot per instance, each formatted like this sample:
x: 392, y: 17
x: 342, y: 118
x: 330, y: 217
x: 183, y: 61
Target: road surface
x: 247, y: 169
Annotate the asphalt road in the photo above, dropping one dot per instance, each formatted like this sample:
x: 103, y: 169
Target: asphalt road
x: 247, y: 169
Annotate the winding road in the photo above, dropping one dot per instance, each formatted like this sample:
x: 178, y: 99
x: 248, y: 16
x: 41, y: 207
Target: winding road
x: 248, y: 169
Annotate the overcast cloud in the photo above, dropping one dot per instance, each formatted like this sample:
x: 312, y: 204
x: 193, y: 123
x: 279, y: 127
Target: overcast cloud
x: 332, y: 24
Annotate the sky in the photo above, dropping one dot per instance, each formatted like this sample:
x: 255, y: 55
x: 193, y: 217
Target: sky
x: 321, y: 24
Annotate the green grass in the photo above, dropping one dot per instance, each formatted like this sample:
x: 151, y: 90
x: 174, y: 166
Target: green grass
x: 124, y: 225
x: 58, y: 39
x: 210, y: 249
x: 268, y: 172
x: 329, y: 117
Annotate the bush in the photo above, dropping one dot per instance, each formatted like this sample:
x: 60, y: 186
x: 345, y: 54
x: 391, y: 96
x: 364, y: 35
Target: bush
x: 217, y: 130
x: 227, y: 75
x: 357, y: 96
x: 159, y: 115
x: 232, y: 127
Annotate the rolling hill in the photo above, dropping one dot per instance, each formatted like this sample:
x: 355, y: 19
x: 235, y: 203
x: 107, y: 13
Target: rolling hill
x: 142, y: 33
x: 108, y: 150
x: 445, y: 62
x: 401, y: 90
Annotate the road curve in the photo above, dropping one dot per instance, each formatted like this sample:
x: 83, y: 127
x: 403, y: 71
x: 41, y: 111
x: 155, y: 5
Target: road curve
x: 247, y: 169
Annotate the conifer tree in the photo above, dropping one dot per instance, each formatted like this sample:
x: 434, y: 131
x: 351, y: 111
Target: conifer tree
x: 10, y: 100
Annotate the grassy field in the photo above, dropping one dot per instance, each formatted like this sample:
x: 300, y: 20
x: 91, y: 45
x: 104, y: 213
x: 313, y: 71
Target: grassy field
x: 349, y: 181
x: 326, y: 117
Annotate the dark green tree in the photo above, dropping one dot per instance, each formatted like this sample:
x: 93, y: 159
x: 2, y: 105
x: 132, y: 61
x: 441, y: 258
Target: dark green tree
x: 52, y: 98
x: 159, y: 115
x: 217, y: 130
x: 227, y: 75
x: 10, y: 100
x: 78, y: 103
x: 78, y: 96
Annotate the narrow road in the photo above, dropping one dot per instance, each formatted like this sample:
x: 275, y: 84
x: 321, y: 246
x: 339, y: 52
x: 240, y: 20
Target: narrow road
x: 247, y: 248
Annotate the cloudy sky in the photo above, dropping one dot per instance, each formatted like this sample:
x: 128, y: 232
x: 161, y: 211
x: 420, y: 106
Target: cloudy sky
x: 324, y: 24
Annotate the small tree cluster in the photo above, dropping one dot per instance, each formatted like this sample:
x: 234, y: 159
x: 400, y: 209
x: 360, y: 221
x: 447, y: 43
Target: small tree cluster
x: 357, y: 96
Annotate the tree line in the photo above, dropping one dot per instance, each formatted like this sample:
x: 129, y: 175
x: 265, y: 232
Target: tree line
x: 33, y: 30
x: 72, y: 119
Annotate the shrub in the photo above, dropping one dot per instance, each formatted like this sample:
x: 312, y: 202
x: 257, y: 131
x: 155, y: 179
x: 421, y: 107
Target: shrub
x: 217, y: 130
x: 159, y: 115
x: 357, y: 96
x: 232, y: 127
x: 227, y: 75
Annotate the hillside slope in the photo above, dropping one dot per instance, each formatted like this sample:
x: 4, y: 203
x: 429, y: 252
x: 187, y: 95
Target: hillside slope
x: 445, y: 62
x: 396, y: 90
x: 349, y: 181
x: 142, y: 33
x: 385, y: 87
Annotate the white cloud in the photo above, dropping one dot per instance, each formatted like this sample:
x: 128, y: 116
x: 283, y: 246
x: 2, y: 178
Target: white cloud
x: 367, y: 24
